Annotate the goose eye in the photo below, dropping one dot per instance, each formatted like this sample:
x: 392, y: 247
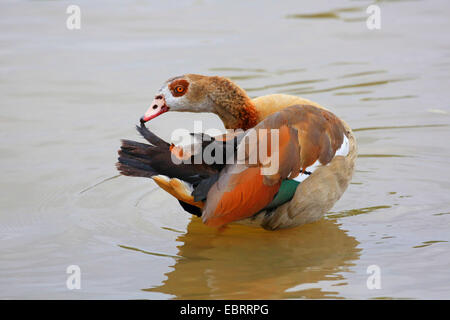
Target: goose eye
x: 179, y: 87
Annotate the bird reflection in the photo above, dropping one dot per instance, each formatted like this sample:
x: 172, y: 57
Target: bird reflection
x: 242, y: 262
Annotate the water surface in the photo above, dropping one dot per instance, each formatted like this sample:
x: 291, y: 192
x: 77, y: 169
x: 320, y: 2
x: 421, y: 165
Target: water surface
x: 67, y: 97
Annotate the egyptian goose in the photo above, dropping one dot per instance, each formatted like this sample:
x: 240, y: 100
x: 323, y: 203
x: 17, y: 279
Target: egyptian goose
x: 315, y: 155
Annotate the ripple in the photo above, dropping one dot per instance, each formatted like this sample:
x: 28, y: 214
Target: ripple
x: 146, y: 194
x: 351, y: 93
x: 99, y: 183
x: 347, y: 63
x: 150, y: 253
x: 356, y: 212
x: 389, y: 98
x: 429, y: 243
x: 237, y: 69
x: 401, y: 127
x: 286, y: 71
x: 356, y: 85
x: 441, y: 214
x: 173, y: 230
x: 247, y: 77
x: 382, y: 156
x: 365, y: 73
x: 332, y: 14
x: 285, y: 84
x: 319, y: 15
x: 437, y: 111
x: 255, y: 73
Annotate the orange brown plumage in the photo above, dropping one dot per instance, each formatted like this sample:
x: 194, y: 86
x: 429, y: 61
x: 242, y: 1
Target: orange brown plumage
x: 309, y: 138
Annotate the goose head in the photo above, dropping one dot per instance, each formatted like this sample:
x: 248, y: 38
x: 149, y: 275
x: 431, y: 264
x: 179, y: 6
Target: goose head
x: 198, y: 93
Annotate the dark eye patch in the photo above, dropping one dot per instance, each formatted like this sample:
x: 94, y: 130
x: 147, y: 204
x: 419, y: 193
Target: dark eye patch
x: 179, y: 87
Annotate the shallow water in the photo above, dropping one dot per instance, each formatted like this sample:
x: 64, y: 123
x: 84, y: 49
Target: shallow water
x: 67, y: 97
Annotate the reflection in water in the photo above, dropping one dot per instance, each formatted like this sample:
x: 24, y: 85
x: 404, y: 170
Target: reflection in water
x: 251, y: 263
x: 64, y: 204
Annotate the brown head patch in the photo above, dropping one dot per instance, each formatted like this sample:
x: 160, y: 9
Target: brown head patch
x: 179, y: 87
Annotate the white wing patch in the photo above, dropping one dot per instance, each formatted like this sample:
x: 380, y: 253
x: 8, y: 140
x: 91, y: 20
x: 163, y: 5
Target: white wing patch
x: 342, y: 151
x: 302, y: 176
x: 344, y: 148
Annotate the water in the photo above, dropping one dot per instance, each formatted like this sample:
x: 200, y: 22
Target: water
x: 67, y: 97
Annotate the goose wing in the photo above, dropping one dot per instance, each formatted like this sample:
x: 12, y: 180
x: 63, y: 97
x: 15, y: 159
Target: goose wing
x: 285, y: 144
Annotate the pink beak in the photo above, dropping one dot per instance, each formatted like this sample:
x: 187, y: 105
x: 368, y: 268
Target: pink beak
x: 157, y: 107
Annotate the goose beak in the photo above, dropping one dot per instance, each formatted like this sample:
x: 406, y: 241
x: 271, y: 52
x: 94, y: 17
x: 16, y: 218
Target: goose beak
x: 157, y: 108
